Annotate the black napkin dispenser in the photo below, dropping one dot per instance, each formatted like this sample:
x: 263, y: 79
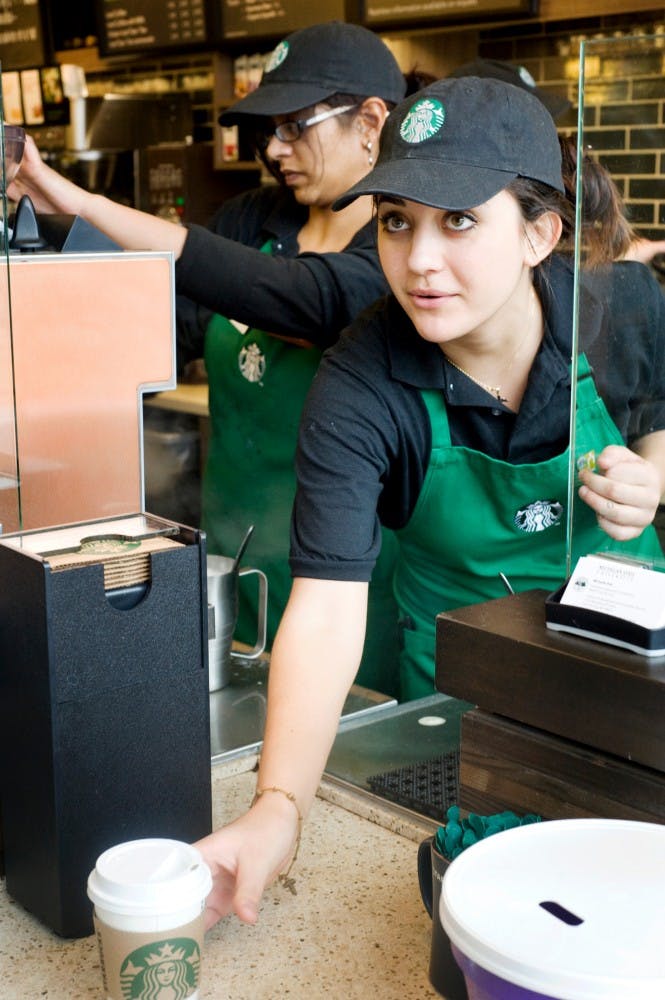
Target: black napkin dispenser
x: 104, y: 719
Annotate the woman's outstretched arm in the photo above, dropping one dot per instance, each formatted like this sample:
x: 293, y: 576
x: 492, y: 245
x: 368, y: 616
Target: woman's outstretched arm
x: 314, y: 659
x: 131, y: 229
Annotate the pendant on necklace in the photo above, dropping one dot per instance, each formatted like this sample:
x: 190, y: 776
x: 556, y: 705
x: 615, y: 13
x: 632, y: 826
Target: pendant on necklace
x: 493, y: 390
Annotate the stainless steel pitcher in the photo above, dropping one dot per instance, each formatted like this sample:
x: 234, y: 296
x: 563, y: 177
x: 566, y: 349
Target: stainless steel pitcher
x: 223, y: 575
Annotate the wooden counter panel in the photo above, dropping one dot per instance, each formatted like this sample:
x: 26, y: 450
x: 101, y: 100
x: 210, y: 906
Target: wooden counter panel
x: 500, y: 656
x: 506, y: 765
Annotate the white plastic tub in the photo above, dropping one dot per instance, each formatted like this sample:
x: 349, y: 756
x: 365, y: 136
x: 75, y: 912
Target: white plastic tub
x: 566, y: 909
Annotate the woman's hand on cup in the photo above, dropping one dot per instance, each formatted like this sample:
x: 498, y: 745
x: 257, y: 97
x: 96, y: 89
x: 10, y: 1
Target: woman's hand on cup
x: 624, y: 492
x: 246, y: 856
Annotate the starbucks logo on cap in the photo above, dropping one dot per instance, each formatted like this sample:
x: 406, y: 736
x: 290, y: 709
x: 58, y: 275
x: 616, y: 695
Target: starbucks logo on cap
x: 277, y: 57
x: 526, y: 77
x: 424, y: 119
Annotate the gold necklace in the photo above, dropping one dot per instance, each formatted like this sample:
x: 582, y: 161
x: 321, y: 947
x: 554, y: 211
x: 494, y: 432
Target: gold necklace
x: 494, y: 390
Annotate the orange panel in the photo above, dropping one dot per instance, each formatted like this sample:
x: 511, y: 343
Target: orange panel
x: 90, y: 334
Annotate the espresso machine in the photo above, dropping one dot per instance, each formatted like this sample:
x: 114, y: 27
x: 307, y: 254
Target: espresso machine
x: 104, y: 702
x: 105, y: 142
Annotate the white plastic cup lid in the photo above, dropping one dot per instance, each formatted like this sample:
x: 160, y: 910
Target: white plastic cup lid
x: 151, y: 876
x: 573, y: 909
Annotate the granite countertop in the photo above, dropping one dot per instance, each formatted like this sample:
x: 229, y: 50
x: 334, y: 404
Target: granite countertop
x: 356, y: 926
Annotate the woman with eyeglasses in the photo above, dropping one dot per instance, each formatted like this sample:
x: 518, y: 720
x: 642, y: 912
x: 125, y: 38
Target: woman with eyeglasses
x: 268, y: 285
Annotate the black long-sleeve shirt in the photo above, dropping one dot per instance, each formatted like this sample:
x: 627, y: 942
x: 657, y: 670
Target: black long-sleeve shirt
x: 308, y: 296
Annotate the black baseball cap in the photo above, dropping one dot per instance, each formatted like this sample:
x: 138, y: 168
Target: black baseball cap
x: 517, y: 75
x: 316, y: 62
x: 457, y: 143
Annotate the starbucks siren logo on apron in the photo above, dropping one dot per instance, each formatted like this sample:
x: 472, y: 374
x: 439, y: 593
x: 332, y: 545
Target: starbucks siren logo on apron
x: 252, y: 362
x: 423, y: 120
x: 539, y: 515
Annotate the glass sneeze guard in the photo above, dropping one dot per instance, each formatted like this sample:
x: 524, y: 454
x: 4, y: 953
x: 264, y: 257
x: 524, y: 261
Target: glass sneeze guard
x: 619, y: 314
x: 10, y: 501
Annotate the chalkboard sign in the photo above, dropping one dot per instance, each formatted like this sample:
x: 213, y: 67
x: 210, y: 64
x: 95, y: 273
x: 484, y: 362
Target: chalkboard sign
x: 403, y: 12
x: 275, y: 18
x: 127, y: 26
x: 22, y: 39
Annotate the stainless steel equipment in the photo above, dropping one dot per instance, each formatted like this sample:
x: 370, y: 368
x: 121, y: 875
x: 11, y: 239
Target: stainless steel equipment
x: 107, y: 136
x: 238, y: 711
x: 223, y: 575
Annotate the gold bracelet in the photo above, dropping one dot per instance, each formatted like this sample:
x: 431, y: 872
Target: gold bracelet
x: 283, y: 878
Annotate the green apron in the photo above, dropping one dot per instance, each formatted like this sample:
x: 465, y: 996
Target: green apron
x: 478, y: 516
x: 258, y: 385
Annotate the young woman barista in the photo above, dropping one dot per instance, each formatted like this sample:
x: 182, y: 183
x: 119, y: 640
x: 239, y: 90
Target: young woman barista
x: 277, y: 259
x: 444, y: 412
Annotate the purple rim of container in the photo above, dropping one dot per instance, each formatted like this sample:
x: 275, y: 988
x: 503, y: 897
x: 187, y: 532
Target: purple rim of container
x: 484, y: 985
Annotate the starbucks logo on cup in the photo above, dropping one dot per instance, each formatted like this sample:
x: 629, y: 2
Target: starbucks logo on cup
x: 162, y: 970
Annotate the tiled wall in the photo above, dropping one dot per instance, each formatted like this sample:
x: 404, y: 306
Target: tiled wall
x: 624, y: 97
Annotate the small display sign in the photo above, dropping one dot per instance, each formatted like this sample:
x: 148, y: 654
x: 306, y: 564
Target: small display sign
x: 54, y: 103
x: 275, y: 18
x: 622, y: 588
x: 22, y: 38
x: 31, y: 89
x: 12, y: 105
x: 142, y: 25
x: 396, y: 12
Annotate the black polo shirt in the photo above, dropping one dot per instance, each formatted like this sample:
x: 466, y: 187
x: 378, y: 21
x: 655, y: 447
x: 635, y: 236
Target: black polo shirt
x: 365, y: 437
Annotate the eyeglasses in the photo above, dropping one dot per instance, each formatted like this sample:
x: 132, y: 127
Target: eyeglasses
x: 289, y: 131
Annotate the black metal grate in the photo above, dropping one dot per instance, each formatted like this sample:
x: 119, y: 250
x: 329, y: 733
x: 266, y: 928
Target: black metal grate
x: 429, y: 787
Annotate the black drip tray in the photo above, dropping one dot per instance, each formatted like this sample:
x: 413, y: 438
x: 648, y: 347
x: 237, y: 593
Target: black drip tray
x: 429, y: 787
x: 407, y: 754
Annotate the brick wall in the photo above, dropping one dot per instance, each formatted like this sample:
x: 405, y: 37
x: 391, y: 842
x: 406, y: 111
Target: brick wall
x: 624, y: 96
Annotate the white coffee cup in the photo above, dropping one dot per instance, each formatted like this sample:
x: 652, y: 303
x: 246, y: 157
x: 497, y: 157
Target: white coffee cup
x: 149, y: 898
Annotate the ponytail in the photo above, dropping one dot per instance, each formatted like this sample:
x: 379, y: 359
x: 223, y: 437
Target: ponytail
x: 606, y: 232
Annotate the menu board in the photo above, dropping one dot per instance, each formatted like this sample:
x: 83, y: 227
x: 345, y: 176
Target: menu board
x: 396, y: 12
x: 127, y: 26
x: 22, y: 38
x: 267, y: 18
